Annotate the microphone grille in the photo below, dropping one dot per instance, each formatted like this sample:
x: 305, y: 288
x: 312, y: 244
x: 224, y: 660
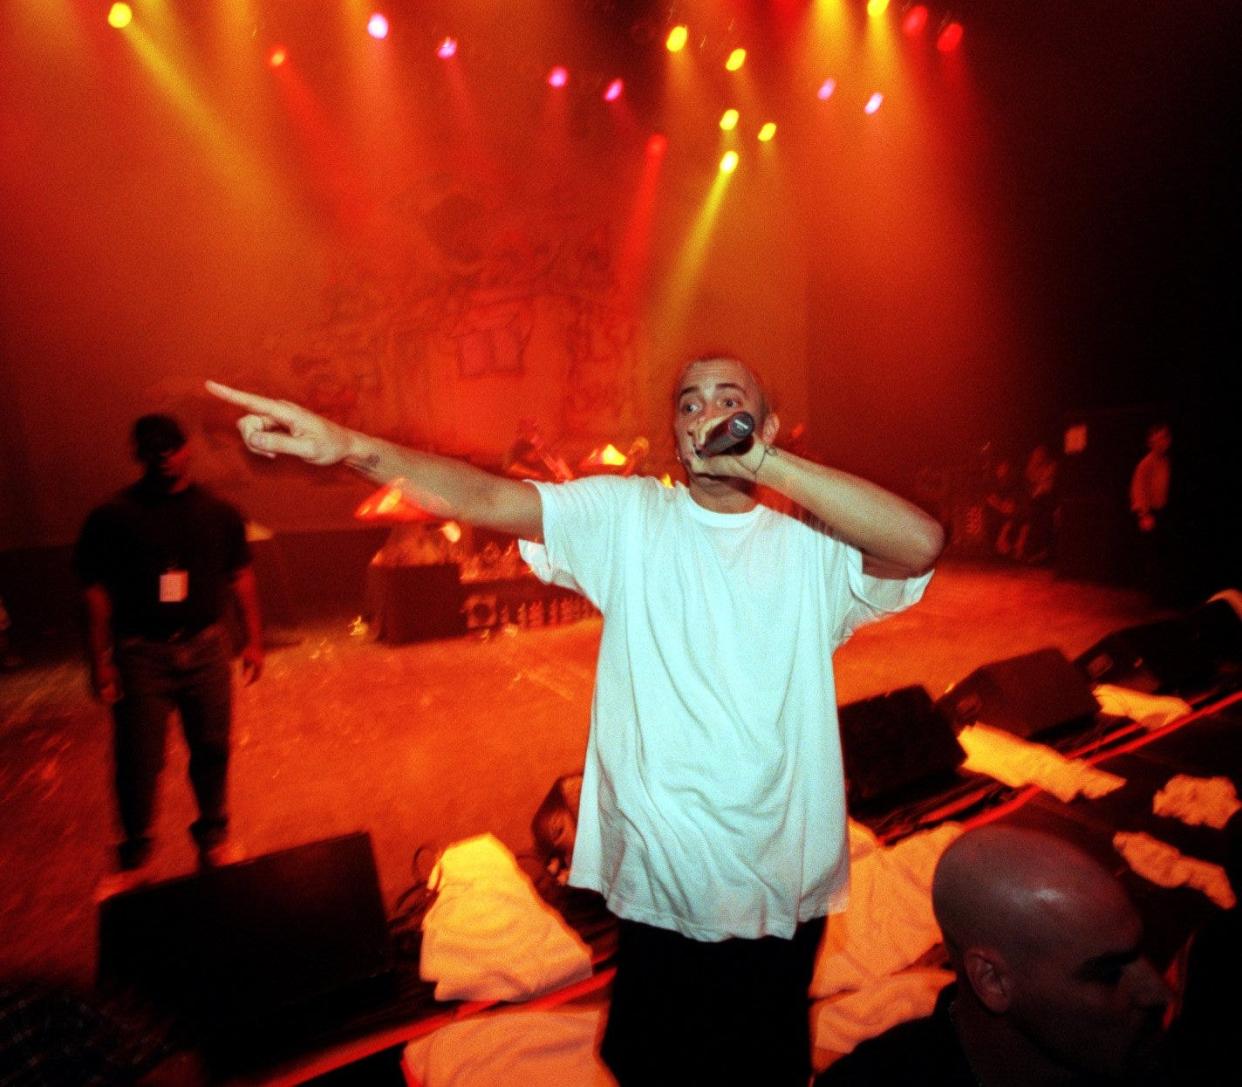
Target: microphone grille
x: 741, y: 425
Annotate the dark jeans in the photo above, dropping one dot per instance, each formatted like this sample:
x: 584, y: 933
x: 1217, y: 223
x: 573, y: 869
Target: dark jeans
x: 685, y: 1012
x: 192, y: 677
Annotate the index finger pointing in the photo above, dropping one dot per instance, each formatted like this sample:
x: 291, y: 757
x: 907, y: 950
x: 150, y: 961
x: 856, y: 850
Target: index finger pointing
x: 260, y: 405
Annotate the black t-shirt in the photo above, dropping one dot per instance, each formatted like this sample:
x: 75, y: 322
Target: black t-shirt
x: 138, y: 545
x: 919, y: 1053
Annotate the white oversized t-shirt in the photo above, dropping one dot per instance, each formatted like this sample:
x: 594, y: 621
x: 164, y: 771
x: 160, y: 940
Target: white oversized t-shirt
x: 713, y: 801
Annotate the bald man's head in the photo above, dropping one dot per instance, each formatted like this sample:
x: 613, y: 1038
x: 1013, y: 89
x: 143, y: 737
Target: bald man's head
x: 1045, y: 939
x: 1016, y: 889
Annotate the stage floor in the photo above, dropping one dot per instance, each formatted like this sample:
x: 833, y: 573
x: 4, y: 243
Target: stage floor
x: 418, y: 744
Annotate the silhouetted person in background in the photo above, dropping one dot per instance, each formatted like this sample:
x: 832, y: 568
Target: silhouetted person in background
x: 1052, y: 985
x: 1000, y: 507
x: 1038, y: 508
x: 158, y: 564
x: 1155, y: 512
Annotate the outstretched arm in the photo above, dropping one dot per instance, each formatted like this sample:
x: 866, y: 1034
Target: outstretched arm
x: 444, y: 487
x: 897, y: 538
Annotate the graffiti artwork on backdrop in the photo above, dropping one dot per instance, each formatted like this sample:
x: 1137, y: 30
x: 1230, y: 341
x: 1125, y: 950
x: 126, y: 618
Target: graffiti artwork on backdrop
x: 456, y: 285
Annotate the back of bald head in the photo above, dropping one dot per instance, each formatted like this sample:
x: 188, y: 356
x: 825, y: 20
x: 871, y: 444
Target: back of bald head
x: 1014, y: 890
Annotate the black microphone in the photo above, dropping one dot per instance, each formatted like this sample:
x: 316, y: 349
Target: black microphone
x: 727, y: 433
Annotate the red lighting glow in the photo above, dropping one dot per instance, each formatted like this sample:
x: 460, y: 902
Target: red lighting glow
x: 558, y: 77
x: 657, y: 144
x: 915, y: 20
x: 447, y: 48
x: 277, y: 56
x: 614, y: 90
x: 825, y: 89
x: 950, y: 38
x: 377, y: 26
x: 873, y: 103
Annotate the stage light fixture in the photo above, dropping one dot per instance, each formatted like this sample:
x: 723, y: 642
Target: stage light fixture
x: 558, y: 77
x: 767, y: 132
x: 876, y: 7
x: 377, y: 26
x: 677, y: 38
x: 949, y: 38
x: 120, y: 16
x: 447, y: 48
x: 825, y: 89
x: 614, y: 90
x: 657, y: 144
x: 873, y: 103
x: 277, y: 56
x: 728, y: 120
x: 736, y: 59
x: 914, y: 20
x: 728, y: 162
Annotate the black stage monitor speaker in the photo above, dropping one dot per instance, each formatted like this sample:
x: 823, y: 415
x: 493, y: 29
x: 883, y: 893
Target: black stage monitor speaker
x: 1150, y: 657
x: 260, y: 952
x: 1027, y: 695
x: 1180, y: 655
x: 894, y: 742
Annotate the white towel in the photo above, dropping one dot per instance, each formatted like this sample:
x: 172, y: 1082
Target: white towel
x: 1149, y: 710
x: 489, y: 936
x: 888, y: 923
x: 527, y: 1048
x: 1015, y: 762
x: 840, y: 1023
x: 1196, y: 801
x: 1167, y: 866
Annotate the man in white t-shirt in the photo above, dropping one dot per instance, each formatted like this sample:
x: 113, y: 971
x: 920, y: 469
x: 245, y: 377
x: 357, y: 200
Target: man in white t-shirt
x: 712, y: 816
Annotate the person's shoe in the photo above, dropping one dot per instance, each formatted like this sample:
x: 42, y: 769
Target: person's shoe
x: 220, y: 854
x: 121, y: 881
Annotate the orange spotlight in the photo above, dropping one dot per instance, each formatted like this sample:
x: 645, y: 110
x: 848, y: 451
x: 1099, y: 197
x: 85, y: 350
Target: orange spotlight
x: 873, y: 103
x: 390, y: 505
x: 277, y: 56
x: 657, y: 144
x: 915, y: 20
x: 950, y: 37
x: 767, y: 132
x: 677, y: 38
x: 825, y: 89
x: 558, y: 77
x: 728, y: 162
x: 877, y: 7
x: 120, y: 16
x: 736, y: 59
x: 728, y: 120
x: 614, y: 90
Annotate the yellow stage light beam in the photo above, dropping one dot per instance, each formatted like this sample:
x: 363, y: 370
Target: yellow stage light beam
x: 689, y: 264
x: 227, y: 155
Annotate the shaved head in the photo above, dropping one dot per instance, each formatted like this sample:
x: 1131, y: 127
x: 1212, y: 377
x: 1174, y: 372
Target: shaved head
x: 1016, y: 889
x: 1047, y: 949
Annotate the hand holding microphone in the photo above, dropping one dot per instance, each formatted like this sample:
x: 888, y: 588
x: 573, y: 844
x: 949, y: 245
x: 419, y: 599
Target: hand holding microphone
x: 727, y: 434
